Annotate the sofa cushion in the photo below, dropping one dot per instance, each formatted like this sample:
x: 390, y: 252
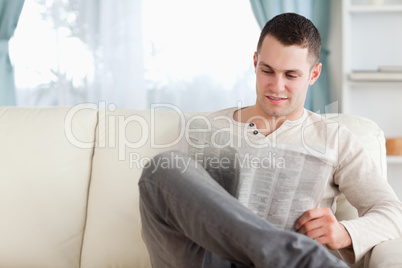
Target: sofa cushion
x: 127, y: 139
x: 44, y: 180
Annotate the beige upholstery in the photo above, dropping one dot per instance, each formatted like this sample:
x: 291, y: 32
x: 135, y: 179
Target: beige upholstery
x: 69, y: 195
x: 391, y: 249
x: 44, y: 182
x: 112, y: 237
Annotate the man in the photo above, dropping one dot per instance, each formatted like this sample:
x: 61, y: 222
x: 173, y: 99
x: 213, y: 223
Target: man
x: 190, y: 220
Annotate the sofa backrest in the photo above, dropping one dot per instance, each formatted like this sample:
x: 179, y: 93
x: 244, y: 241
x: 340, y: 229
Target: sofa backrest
x: 44, y: 182
x: 127, y: 139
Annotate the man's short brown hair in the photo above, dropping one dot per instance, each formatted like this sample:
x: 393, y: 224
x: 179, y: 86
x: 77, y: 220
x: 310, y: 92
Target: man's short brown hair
x: 293, y: 29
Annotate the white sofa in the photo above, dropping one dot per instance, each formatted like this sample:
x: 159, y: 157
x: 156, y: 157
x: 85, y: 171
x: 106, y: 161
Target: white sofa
x: 68, y: 184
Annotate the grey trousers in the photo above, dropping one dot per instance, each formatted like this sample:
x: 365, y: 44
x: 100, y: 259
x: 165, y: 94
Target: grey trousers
x: 189, y: 220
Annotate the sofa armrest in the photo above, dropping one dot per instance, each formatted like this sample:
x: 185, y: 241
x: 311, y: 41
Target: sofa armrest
x: 387, y: 254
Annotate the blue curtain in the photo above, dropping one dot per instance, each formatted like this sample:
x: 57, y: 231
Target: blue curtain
x: 318, y: 12
x: 9, y: 13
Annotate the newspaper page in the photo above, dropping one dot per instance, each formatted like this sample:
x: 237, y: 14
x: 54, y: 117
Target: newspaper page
x: 278, y: 183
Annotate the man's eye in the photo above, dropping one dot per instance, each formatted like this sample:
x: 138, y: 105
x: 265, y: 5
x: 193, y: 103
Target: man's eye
x: 266, y: 71
x: 291, y: 76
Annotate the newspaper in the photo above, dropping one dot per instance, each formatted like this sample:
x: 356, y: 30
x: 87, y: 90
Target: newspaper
x: 277, y: 182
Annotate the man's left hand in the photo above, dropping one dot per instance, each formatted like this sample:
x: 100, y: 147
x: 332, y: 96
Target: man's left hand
x: 321, y: 225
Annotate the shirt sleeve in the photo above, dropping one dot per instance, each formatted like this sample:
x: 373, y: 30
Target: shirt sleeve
x: 380, y: 211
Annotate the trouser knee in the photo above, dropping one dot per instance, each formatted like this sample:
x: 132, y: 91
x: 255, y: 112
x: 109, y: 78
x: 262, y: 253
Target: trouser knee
x: 166, y: 166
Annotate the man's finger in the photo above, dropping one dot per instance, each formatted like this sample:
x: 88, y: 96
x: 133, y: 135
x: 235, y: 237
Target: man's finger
x: 309, y: 226
x: 310, y: 215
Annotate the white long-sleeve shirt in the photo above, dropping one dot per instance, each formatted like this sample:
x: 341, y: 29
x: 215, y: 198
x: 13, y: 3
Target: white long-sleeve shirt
x: 354, y: 174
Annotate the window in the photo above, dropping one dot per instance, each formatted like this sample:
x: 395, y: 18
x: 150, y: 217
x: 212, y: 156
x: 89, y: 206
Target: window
x: 195, y: 55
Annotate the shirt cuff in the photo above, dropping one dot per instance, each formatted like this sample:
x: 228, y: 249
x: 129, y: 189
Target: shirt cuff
x: 354, y: 253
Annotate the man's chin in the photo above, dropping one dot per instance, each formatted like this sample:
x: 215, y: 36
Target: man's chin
x: 276, y: 113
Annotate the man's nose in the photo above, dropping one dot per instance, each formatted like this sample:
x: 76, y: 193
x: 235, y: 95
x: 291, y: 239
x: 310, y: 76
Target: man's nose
x: 278, y: 84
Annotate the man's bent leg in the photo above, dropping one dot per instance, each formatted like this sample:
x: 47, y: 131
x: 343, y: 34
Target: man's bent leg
x: 184, y: 211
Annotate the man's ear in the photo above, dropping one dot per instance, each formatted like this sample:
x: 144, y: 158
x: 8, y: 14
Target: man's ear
x: 315, y: 73
x: 255, y: 60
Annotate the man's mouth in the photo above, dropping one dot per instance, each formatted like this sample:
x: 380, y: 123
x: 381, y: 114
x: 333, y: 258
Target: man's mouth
x: 276, y: 98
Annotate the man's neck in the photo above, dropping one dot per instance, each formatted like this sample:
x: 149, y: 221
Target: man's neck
x: 264, y: 123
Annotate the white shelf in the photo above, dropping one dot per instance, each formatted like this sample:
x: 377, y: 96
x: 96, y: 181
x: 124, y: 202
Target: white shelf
x: 394, y: 159
x: 374, y: 8
x: 382, y: 84
x: 371, y: 38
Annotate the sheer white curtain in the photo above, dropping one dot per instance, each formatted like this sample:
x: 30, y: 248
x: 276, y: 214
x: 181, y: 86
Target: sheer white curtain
x: 114, y: 32
x: 131, y: 53
x: 9, y: 13
x: 53, y: 65
x: 73, y: 51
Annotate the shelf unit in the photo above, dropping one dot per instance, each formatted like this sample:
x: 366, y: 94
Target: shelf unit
x: 372, y: 36
x: 374, y: 8
x: 391, y: 159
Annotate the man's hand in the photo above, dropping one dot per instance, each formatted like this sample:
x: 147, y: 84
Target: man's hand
x: 321, y: 225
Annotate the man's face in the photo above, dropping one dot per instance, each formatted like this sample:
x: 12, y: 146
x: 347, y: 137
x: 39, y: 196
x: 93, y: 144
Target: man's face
x: 283, y: 75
